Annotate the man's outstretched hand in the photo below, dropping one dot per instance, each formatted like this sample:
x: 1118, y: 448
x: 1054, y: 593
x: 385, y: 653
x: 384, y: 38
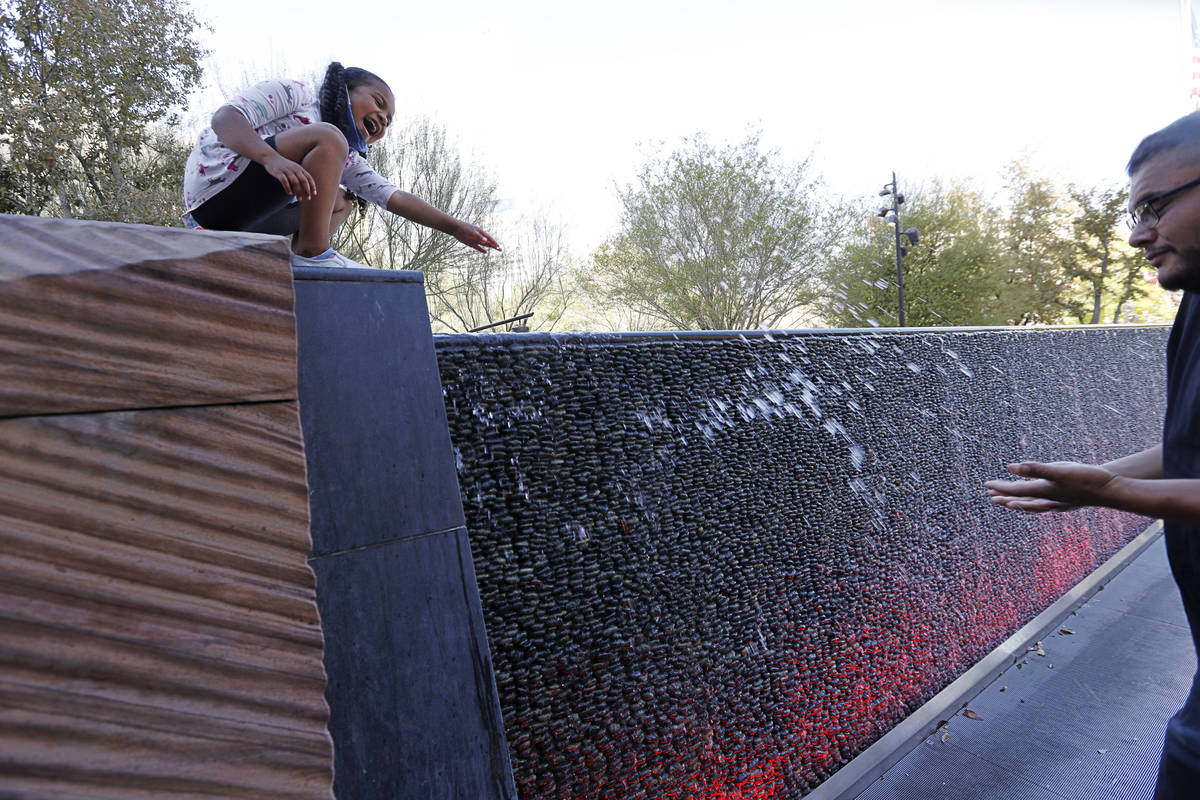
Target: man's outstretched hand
x: 1057, y: 486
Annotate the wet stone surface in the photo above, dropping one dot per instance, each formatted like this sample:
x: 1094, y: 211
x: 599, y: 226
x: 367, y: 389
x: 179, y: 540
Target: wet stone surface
x: 720, y: 568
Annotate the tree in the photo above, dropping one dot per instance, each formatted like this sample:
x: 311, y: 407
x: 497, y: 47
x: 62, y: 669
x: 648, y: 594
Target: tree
x: 1038, y: 242
x: 419, y: 159
x: 954, y: 276
x: 1103, y: 264
x: 529, y: 275
x: 86, y: 88
x: 466, y: 289
x: 716, y: 239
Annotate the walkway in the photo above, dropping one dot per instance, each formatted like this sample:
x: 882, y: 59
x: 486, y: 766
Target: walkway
x: 1084, y: 721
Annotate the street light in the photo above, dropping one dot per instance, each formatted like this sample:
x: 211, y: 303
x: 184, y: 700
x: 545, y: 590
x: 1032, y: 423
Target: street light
x: 892, y: 217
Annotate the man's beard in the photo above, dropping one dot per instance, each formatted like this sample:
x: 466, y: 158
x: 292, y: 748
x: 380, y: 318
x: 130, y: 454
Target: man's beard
x: 1187, y: 276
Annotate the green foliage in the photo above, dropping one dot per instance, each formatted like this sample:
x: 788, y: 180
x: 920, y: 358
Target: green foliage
x: 1048, y: 255
x: 716, y: 239
x: 1108, y: 272
x: 86, y: 91
x: 954, y: 276
x: 1038, y: 242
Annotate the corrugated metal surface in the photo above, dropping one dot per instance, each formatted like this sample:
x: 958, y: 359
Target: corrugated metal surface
x: 158, y: 627
x: 96, y: 316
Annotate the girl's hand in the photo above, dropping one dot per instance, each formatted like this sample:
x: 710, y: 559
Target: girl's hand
x: 475, y: 237
x: 294, y: 178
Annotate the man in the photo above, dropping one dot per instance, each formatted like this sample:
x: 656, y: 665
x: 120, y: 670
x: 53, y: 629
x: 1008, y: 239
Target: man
x: 1163, y: 481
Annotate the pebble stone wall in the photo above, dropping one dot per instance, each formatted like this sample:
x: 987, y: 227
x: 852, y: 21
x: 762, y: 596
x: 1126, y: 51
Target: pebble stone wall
x: 719, y: 566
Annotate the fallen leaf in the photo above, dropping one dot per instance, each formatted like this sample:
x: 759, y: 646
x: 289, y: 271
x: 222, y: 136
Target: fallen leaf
x: 945, y: 737
x: 969, y: 714
x: 1066, y: 631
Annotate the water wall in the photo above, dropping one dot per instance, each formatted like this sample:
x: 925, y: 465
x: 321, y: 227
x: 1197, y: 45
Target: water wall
x: 719, y: 566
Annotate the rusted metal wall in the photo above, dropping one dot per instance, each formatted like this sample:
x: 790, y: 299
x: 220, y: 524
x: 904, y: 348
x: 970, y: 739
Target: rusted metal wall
x: 159, y: 634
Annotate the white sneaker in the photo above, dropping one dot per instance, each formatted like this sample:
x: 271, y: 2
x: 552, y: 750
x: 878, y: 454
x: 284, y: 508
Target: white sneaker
x: 330, y: 258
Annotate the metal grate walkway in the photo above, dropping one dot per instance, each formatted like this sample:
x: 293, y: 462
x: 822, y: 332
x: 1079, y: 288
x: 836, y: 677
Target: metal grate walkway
x: 1084, y: 721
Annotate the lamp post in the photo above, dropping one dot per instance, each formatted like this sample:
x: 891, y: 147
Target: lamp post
x: 892, y: 215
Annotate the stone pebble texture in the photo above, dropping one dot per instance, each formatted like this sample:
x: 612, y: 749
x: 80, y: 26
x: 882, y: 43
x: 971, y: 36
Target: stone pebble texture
x: 719, y: 566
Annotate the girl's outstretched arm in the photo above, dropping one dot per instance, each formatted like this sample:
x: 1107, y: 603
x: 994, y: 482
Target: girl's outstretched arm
x: 410, y: 206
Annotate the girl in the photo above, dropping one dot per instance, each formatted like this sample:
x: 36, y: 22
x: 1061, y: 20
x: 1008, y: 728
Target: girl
x: 274, y: 159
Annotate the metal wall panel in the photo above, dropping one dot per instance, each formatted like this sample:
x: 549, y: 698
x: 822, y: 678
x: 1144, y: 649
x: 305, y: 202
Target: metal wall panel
x: 414, y: 711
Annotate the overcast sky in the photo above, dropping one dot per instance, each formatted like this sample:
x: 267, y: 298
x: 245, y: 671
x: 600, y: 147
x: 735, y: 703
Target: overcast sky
x: 560, y: 100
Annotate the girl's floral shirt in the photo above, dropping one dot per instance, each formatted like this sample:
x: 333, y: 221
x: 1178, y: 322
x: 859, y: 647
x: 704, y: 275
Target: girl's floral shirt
x: 271, y: 106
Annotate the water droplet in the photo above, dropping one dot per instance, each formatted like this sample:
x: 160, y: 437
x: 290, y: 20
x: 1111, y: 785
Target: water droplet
x: 857, y: 456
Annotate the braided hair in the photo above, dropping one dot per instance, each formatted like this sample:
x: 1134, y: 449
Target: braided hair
x: 338, y: 82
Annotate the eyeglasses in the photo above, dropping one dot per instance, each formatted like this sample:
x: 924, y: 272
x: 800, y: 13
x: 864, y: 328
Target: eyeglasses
x: 1148, y: 211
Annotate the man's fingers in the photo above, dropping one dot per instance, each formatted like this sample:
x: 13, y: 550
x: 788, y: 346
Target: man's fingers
x: 1030, y: 503
x: 1017, y: 488
x: 1038, y: 504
